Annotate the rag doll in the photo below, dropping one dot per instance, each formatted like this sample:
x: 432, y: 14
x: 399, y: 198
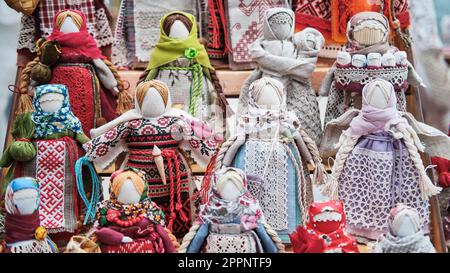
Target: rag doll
x: 325, y: 231
x: 156, y: 139
x: 182, y: 63
x: 378, y: 163
x: 23, y: 232
x: 367, y: 33
x: 405, y: 234
x: 271, y: 143
x: 38, y: 22
x: 48, y: 153
x: 130, y: 222
x: 290, y: 59
x: 70, y: 56
x: 231, y: 220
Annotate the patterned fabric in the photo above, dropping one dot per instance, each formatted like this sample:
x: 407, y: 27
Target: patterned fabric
x: 373, y: 182
x: 245, y: 20
x: 137, y: 246
x: 59, y: 121
x: 315, y: 14
x: 217, y: 39
x: 221, y: 242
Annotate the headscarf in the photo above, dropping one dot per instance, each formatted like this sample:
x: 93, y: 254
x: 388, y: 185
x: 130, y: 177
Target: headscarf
x: 55, y: 122
x: 397, y: 216
x: 221, y: 211
x: 268, y: 32
x: 372, y: 119
x: 354, y: 47
x: 169, y: 49
x: 80, y: 42
x: 15, y: 185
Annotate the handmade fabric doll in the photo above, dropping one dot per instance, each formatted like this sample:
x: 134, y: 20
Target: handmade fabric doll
x: 39, y: 23
x: 378, y: 163
x: 49, y: 154
x: 272, y: 144
x: 182, y: 63
x: 405, y: 234
x: 23, y: 232
x: 130, y: 222
x: 325, y: 231
x: 154, y: 136
x: 367, y: 33
x: 137, y: 29
x: 231, y: 220
x: 290, y: 59
x: 70, y: 56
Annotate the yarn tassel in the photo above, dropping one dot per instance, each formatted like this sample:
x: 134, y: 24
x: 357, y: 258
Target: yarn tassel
x: 159, y: 161
x: 91, y: 205
x: 124, y: 102
x: 25, y: 104
x: 331, y: 189
x: 427, y: 188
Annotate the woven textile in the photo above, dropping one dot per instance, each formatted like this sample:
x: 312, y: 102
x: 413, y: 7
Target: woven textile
x: 137, y: 246
x: 247, y: 242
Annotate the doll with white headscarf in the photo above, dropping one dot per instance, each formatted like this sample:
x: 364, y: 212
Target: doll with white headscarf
x: 156, y: 139
x: 405, y: 234
x: 272, y: 144
x: 378, y: 163
x: 230, y: 221
x: 23, y: 230
x: 367, y: 56
x: 290, y: 58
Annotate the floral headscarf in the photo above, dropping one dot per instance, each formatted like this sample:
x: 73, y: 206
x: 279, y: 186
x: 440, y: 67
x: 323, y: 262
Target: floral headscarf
x: 55, y: 122
x: 15, y: 185
x: 220, y: 211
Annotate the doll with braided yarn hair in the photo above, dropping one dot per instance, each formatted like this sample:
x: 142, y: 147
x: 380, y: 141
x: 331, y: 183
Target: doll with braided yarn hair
x: 70, y: 56
x: 378, y: 163
x: 180, y: 61
x: 130, y: 221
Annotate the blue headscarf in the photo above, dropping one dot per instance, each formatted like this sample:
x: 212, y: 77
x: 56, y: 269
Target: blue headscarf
x: 55, y: 122
x: 18, y: 184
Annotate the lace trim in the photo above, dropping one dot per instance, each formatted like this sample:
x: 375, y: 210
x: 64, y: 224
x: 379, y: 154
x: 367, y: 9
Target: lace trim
x: 395, y: 75
x: 273, y: 197
x: 27, y: 33
x: 104, y: 35
x: 119, y: 47
x: 31, y: 246
x: 233, y: 243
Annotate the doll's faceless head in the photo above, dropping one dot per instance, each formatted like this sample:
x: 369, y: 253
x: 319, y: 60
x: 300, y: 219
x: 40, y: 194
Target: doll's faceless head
x: 268, y: 93
x: 401, y: 58
x: 379, y: 94
x: 343, y: 58
x: 279, y: 24
x: 230, y: 185
x: 69, y: 21
x: 404, y: 221
x: 368, y: 28
x: 388, y: 60
x: 127, y: 187
x: 374, y: 59
x: 22, y: 196
x: 359, y: 60
x: 326, y: 217
x: 51, y: 102
x: 152, y: 98
x: 177, y: 26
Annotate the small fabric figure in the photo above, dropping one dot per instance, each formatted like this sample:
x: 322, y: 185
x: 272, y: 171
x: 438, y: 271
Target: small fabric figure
x: 49, y: 154
x: 325, y: 231
x: 23, y: 232
x: 367, y: 33
x: 129, y: 222
x: 174, y: 133
x: 230, y: 221
x: 378, y: 163
x: 443, y: 169
x: 70, y: 56
x: 291, y: 59
x: 272, y: 144
x: 405, y: 234
x: 182, y: 63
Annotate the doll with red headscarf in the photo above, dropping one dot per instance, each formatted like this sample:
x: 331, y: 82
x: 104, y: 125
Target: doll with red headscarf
x: 70, y: 56
x: 325, y: 231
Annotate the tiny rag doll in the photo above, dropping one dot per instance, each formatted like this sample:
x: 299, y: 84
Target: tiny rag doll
x: 130, y: 222
x: 23, y: 232
x: 378, y: 163
x: 70, y: 56
x: 290, y: 59
x: 182, y: 63
x: 271, y: 144
x: 366, y: 57
x: 325, y: 231
x: 48, y: 153
x: 405, y: 234
x: 154, y: 136
x: 231, y: 220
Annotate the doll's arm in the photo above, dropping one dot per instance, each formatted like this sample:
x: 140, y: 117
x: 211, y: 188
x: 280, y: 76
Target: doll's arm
x: 267, y: 243
x: 413, y: 77
x: 304, y: 152
x: 82, y: 138
x: 199, y: 238
x: 105, y: 76
x: 168, y: 244
x: 111, y: 237
x: 327, y: 82
x: 231, y: 153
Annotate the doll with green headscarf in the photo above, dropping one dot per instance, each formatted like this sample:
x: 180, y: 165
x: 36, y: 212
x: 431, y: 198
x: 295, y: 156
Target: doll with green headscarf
x: 46, y: 146
x: 182, y: 63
